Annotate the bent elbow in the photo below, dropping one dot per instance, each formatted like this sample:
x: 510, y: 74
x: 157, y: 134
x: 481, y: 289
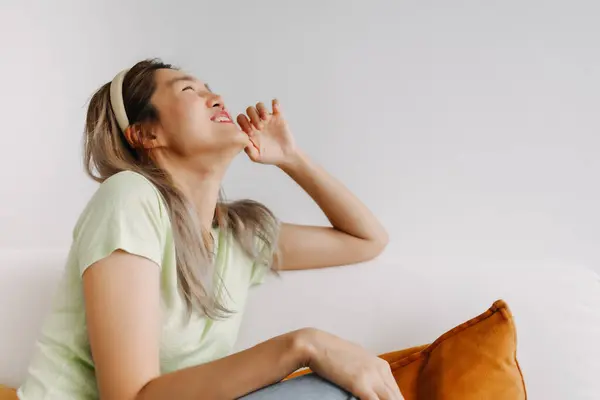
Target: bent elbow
x: 375, y: 247
x: 381, y: 242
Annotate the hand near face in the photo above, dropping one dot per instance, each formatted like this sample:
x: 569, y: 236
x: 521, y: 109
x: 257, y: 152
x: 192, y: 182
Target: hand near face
x: 271, y: 141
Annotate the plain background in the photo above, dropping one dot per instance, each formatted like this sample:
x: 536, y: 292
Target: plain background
x: 469, y: 127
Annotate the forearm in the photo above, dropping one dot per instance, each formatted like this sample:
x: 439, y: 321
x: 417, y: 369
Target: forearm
x: 343, y: 209
x: 233, y: 376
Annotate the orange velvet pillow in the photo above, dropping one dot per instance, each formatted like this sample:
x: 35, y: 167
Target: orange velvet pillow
x: 474, y: 361
x: 7, y: 393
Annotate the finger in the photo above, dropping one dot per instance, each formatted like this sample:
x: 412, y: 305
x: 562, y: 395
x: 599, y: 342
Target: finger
x: 276, y: 107
x: 389, y: 393
x: 393, y: 388
x: 245, y: 124
x: 368, y: 396
x: 384, y: 393
x: 252, y: 152
x: 388, y: 380
x: 263, y: 113
x: 396, y: 392
x: 255, y: 142
x: 254, y: 118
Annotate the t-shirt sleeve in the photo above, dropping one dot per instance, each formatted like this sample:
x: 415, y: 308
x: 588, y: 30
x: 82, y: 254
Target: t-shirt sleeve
x: 126, y: 213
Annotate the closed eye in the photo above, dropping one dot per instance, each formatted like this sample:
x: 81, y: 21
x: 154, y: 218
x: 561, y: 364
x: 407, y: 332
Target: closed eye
x: 186, y: 88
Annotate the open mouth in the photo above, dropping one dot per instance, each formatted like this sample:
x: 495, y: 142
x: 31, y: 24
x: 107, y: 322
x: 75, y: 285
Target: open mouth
x: 222, y: 117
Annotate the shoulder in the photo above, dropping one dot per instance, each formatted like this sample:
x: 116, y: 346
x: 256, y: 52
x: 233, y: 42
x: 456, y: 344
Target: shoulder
x: 128, y: 184
x: 128, y: 188
x: 126, y: 212
x: 126, y: 195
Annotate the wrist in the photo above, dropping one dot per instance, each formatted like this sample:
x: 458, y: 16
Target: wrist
x: 304, y: 345
x: 293, y: 162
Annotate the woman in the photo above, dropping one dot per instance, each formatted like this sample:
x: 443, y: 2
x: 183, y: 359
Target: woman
x: 159, y: 269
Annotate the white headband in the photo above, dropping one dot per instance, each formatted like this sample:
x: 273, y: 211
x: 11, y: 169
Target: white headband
x: 116, y: 100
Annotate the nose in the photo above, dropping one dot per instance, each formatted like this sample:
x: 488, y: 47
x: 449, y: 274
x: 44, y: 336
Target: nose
x: 216, y: 101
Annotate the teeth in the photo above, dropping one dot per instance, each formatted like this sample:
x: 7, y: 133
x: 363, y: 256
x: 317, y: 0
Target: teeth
x: 222, y: 119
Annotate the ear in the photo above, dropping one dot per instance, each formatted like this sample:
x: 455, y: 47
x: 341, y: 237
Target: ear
x: 140, y: 136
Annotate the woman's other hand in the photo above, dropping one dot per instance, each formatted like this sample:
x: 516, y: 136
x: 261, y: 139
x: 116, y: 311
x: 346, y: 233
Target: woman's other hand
x: 350, y: 367
x: 271, y: 139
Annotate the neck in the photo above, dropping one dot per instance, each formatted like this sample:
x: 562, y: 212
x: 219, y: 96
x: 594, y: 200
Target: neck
x: 200, y: 184
x: 202, y: 189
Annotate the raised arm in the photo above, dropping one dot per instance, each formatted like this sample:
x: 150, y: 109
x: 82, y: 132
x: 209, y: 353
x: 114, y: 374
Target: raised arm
x: 356, y: 235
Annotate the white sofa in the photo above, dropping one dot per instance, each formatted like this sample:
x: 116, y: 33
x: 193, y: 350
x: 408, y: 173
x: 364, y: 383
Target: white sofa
x: 383, y: 305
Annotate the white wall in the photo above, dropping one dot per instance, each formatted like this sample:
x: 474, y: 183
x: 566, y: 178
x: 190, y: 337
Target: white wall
x: 470, y: 127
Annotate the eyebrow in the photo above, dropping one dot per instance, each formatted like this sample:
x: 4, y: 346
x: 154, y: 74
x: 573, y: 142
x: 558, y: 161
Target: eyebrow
x: 188, y: 78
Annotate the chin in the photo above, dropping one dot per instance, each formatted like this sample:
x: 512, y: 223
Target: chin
x: 228, y: 140
x: 233, y: 133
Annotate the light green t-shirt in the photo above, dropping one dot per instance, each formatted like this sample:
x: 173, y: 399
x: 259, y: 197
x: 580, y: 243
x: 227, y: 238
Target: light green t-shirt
x: 127, y: 212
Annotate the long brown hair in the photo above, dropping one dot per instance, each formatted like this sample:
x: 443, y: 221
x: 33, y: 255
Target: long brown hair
x: 107, y: 152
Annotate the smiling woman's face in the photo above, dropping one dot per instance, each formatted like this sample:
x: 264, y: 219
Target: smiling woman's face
x: 192, y: 119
